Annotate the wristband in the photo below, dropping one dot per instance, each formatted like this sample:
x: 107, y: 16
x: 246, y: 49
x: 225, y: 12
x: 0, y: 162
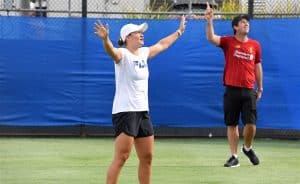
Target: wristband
x: 260, y: 90
x: 179, y: 32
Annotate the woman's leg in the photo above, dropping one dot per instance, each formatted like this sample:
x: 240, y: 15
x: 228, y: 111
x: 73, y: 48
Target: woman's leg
x: 144, y: 147
x: 123, y: 146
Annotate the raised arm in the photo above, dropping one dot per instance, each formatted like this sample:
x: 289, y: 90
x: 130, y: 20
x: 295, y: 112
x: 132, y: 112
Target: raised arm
x: 164, y: 43
x: 210, y: 33
x: 103, y: 32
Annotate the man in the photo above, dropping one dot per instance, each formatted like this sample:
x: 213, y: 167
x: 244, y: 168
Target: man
x: 241, y: 71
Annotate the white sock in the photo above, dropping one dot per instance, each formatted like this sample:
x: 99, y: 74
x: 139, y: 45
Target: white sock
x: 235, y: 155
x: 247, y: 149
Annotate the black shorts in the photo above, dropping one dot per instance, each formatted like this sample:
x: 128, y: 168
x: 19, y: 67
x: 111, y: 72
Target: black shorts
x: 135, y: 124
x: 239, y: 101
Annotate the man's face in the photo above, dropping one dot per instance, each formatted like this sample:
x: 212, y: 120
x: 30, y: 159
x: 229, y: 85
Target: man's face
x: 242, y: 27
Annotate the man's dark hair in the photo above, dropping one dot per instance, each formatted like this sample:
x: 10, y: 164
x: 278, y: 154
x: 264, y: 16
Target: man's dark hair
x: 237, y: 19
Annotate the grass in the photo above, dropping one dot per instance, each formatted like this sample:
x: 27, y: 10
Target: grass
x: 176, y: 161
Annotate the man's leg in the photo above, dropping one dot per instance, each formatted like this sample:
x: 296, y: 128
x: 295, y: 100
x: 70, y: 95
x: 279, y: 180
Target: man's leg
x: 249, y: 134
x: 233, y: 138
x: 249, y: 117
x: 232, y: 107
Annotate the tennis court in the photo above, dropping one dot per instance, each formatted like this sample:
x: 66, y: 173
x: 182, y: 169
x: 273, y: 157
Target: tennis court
x: 176, y: 161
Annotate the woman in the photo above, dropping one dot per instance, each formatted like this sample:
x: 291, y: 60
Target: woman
x: 130, y: 117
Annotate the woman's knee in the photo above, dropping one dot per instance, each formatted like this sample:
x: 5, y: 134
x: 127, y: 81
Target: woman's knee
x: 122, y: 157
x: 146, y: 158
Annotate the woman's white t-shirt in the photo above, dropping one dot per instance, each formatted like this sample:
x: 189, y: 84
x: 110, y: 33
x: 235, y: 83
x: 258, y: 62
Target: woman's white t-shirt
x: 131, y: 77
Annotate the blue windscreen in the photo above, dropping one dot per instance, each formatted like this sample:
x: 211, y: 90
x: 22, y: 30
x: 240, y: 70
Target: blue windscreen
x: 54, y: 71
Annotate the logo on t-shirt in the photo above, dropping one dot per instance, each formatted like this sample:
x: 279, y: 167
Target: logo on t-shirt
x: 243, y: 55
x: 251, y: 50
x: 140, y: 64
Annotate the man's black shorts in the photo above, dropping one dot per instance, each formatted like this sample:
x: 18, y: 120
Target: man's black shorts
x: 239, y: 101
x: 135, y: 124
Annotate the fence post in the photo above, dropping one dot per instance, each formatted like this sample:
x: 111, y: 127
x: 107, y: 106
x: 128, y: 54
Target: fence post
x: 190, y: 7
x: 69, y: 8
x: 250, y: 8
x: 84, y: 8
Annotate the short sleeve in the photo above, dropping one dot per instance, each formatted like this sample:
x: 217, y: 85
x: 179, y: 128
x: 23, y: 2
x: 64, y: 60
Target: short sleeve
x: 224, y: 40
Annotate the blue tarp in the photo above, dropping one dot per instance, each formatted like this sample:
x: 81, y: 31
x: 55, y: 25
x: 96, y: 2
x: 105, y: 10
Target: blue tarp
x: 54, y: 71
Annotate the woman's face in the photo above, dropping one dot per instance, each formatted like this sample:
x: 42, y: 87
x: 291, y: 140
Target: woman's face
x: 136, y: 37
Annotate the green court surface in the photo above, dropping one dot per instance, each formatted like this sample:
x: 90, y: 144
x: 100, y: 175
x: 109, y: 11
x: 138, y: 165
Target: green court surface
x: 176, y: 161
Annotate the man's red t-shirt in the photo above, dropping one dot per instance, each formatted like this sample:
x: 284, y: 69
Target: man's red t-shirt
x: 240, y: 60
